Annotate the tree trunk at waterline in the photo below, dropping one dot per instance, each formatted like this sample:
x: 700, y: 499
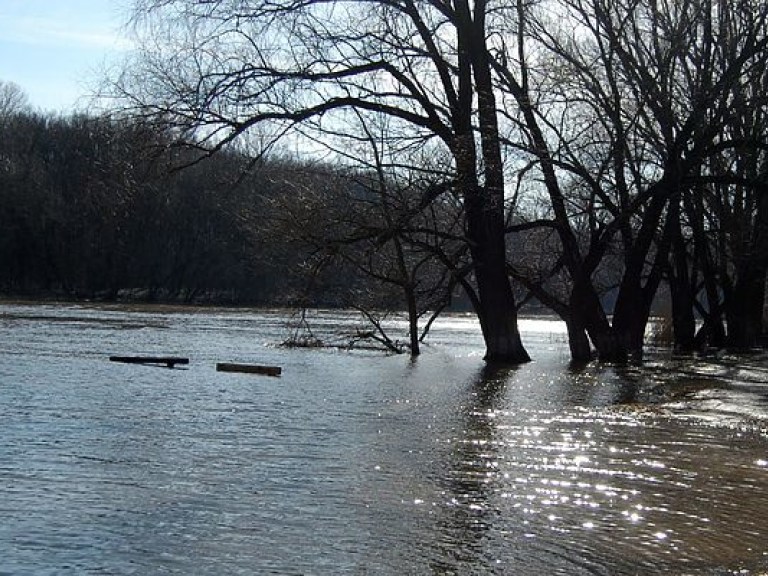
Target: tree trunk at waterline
x: 498, y: 320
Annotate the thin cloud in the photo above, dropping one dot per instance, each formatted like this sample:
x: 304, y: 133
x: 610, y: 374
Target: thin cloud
x: 41, y: 31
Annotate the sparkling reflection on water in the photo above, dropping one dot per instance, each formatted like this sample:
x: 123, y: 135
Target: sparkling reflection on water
x: 358, y: 463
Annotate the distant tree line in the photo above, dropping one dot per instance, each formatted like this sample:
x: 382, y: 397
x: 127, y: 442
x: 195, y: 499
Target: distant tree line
x: 90, y: 208
x: 112, y: 208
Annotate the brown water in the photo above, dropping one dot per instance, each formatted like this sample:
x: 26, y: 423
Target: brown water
x: 361, y: 463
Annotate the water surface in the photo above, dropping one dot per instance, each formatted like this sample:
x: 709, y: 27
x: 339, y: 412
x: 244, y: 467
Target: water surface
x: 363, y: 463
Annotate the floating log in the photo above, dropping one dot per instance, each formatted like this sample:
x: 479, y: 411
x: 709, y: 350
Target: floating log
x: 169, y: 361
x: 249, y: 368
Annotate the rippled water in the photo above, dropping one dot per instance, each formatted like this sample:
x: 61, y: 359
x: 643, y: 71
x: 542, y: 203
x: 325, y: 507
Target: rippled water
x: 361, y: 463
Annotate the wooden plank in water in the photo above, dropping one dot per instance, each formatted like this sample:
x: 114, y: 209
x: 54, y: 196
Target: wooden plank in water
x: 249, y: 368
x: 169, y: 361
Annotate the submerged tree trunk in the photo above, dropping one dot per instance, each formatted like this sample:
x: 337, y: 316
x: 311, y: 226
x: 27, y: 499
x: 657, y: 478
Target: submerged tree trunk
x: 498, y: 315
x: 642, y: 278
x: 681, y: 291
x: 413, y: 322
x: 578, y: 341
x: 570, y: 313
x: 484, y: 204
x: 744, y: 310
x: 683, y: 319
x: 495, y: 302
x: 712, y: 330
x: 587, y: 317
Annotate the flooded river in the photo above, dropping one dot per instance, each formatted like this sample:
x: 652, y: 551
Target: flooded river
x: 364, y: 463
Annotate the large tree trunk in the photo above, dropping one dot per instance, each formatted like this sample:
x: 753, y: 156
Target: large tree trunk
x: 587, y: 313
x: 680, y: 286
x: 683, y: 319
x: 712, y: 331
x: 631, y: 314
x: 495, y: 302
x: 578, y: 342
x: 571, y: 313
x: 629, y: 330
x: 484, y: 205
x: 744, y: 308
x: 497, y: 312
x: 640, y: 282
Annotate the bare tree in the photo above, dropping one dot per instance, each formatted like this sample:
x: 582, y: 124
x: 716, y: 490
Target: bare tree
x: 369, y: 224
x: 728, y: 207
x: 13, y: 100
x: 621, y: 105
x: 220, y: 70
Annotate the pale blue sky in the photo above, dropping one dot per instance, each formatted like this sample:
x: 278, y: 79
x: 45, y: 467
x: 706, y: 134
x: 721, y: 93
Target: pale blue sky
x: 54, y: 49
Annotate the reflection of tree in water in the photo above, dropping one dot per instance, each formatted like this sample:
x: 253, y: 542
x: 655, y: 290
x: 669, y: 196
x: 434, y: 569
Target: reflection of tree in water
x: 469, y: 475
